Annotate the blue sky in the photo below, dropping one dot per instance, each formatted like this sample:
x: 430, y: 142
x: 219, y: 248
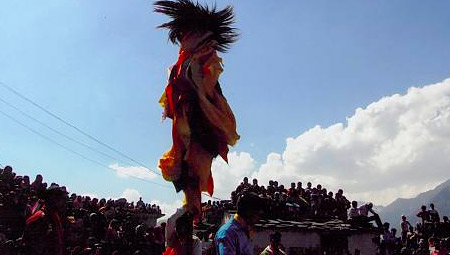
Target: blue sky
x: 101, y: 65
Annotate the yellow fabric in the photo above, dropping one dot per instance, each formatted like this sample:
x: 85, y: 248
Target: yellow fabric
x: 201, y: 66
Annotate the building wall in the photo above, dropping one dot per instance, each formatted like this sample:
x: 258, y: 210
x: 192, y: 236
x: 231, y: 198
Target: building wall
x: 311, y: 242
x: 363, y: 242
x: 290, y: 240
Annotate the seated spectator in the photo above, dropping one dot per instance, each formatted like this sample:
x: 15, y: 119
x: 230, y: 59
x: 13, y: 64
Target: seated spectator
x: 364, y: 212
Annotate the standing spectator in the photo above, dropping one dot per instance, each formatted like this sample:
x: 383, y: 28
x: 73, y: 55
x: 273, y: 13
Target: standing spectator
x: 423, y: 214
x: 243, y: 186
x: 300, y: 189
x: 234, y: 236
x: 37, y: 184
x: 353, y: 213
x: 274, y: 246
x: 433, y: 214
x: 342, y: 204
x: 293, y: 194
x: 405, y: 225
x: 255, y: 187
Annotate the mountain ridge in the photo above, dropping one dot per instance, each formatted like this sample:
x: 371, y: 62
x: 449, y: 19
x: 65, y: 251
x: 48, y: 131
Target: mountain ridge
x: 410, y: 206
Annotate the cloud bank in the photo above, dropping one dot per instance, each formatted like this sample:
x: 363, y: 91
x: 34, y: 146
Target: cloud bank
x: 132, y: 195
x: 133, y: 171
x: 396, y: 147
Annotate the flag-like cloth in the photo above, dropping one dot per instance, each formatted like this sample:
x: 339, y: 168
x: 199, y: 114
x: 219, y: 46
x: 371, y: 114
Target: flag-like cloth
x: 203, y: 122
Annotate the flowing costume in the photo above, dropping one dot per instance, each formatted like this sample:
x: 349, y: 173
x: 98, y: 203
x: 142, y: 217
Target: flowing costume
x: 203, y: 122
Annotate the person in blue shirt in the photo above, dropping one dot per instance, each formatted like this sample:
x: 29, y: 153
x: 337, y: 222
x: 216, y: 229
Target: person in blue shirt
x: 233, y: 238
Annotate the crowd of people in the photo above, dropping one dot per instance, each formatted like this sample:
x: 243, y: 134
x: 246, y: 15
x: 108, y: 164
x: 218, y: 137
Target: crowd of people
x: 297, y: 202
x: 429, y: 236
x: 37, y: 218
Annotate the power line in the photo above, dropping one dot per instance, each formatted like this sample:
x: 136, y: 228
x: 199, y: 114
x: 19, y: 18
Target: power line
x: 58, y: 132
x: 74, y: 152
x: 80, y: 131
x: 76, y: 128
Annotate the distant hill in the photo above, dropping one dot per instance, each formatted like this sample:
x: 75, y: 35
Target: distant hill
x: 440, y: 196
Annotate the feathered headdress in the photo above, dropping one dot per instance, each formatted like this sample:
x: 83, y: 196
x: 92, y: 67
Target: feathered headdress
x: 188, y: 17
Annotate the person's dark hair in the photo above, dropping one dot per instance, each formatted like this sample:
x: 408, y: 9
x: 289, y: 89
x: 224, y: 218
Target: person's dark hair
x: 187, y: 16
x: 275, y: 237
x: 250, y: 203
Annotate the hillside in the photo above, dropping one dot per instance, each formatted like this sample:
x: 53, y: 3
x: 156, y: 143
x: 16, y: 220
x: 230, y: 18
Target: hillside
x: 409, y: 207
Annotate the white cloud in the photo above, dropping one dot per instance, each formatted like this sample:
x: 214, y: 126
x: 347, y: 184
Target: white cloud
x: 167, y: 208
x: 132, y: 195
x: 228, y: 176
x: 135, y: 171
x: 87, y: 194
x: 398, y: 146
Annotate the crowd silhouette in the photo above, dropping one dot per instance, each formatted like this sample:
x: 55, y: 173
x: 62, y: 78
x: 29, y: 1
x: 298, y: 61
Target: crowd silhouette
x: 37, y: 218
x: 297, y: 202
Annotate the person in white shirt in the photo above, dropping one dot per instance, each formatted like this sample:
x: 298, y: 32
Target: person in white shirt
x: 274, y: 246
x: 354, y: 211
x: 364, y: 213
x: 179, y: 234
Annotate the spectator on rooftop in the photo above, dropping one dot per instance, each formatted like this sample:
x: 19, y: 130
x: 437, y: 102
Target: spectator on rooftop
x: 354, y: 211
x: 300, y: 189
x: 37, y: 183
x: 308, y: 187
x: 433, y: 214
x: 364, y: 211
x: 243, y: 186
x: 255, y: 187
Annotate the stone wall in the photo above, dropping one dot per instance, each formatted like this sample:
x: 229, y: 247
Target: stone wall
x: 316, y: 242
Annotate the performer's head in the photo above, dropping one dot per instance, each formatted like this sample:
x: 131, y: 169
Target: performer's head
x: 251, y: 207
x: 189, y: 18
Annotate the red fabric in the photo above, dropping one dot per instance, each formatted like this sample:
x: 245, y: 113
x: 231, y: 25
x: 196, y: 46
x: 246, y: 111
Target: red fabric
x: 170, y: 251
x: 34, y: 217
x: 59, y: 230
